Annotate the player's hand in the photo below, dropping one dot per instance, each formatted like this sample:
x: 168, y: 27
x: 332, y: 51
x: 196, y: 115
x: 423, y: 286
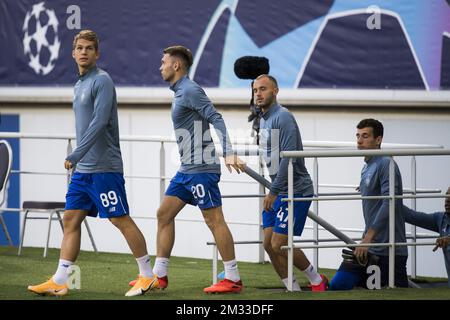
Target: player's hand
x: 361, y: 253
x: 68, y: 165
x: 235, y: 162
x: 442, y: 242
x: 269, y: 199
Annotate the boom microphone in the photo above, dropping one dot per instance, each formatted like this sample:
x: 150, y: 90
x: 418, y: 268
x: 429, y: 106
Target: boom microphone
x: 250, y: 67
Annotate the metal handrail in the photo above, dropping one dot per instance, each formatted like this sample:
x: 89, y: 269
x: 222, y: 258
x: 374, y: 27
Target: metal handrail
x: 356, y: 245
x: 364, y: 153
x: 212, y: 243
x: 398, y: 149
x: 408, y: 235
x: 236, y: 140
x: 392, y: 197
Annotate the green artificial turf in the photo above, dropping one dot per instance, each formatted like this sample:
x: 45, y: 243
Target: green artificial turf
x: 105, y: 276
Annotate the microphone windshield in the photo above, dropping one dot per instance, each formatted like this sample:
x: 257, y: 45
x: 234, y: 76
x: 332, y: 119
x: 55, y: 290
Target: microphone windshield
x: 250, y: 67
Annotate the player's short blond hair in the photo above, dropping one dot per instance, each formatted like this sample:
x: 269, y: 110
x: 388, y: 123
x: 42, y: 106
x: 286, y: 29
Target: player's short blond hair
x: 88, y: 35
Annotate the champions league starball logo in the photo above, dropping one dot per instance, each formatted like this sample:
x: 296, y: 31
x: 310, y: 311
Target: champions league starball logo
x: 40, y: 41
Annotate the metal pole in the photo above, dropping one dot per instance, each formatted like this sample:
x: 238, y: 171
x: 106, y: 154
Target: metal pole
x: 413, y: 227
x: 333, y: 230
x: 262, y: 190
x: 90, y: 235
x: 5, y: 230
x: 22, y: 236
x: 162, y: 172
x: 69, y: 151
x: 214, y: 266
x: 290, y: 224
x: 316, y: 211
x: 48, y: 232
x: 392, y: 223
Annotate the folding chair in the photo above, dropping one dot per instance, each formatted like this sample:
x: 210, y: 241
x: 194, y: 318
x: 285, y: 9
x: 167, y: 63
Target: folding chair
x: 52, y: 208
x: 5, y: 170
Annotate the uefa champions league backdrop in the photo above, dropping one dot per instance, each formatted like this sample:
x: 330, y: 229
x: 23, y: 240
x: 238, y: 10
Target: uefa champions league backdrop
x: 375, y: 44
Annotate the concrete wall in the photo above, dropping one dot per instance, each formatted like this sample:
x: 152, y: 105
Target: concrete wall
x: 142, y: 158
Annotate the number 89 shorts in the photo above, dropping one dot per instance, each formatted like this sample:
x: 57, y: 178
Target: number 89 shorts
x: 197, y: 189
x: 98, y: 193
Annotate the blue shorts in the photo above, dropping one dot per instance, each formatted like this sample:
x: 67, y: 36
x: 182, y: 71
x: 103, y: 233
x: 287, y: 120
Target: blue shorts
x: 197, y: 189
x: 98, y: 193
x: 278, y: 216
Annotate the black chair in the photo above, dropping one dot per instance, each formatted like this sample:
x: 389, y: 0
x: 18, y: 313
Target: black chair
x: 51, y: 208
x: 54, y: 209
x: 5, y: 170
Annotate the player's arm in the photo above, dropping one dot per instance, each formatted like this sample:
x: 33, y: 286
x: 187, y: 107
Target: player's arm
x: 287, y: 142
x: 103, y: 91
x: 427, y: 221
x: 201, y: 103
x: 421, y: 219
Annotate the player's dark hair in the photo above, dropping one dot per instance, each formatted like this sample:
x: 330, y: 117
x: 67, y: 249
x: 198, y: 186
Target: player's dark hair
x: 183, y: 53
x: 377, y: 126
x: 88, y: 35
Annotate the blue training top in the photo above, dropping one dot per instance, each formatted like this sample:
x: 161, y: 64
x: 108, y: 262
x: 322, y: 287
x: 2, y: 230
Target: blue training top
x: 280, y: 132
x: 375, y: 182
x: 438, y: 222
x: 97, y: 125
x: 192, y: 112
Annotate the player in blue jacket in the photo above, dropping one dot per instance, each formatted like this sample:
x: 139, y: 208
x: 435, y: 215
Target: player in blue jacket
x: 197, y: 181
x: 375, y: 182
x: 279, y: 132
x: 97, y: 186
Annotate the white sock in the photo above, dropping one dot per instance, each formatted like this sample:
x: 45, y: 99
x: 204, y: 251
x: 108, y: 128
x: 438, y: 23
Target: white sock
x: 295, y: 285
x: 145, y: 268
x: 231, y: 270
x: 312, y: 275
x: 161, y: 267
x: 62, y: 273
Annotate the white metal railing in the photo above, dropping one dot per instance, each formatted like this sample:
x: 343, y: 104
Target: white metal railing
x: 236, y: 140
x: 392, y: 197
x: 247, y: 143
